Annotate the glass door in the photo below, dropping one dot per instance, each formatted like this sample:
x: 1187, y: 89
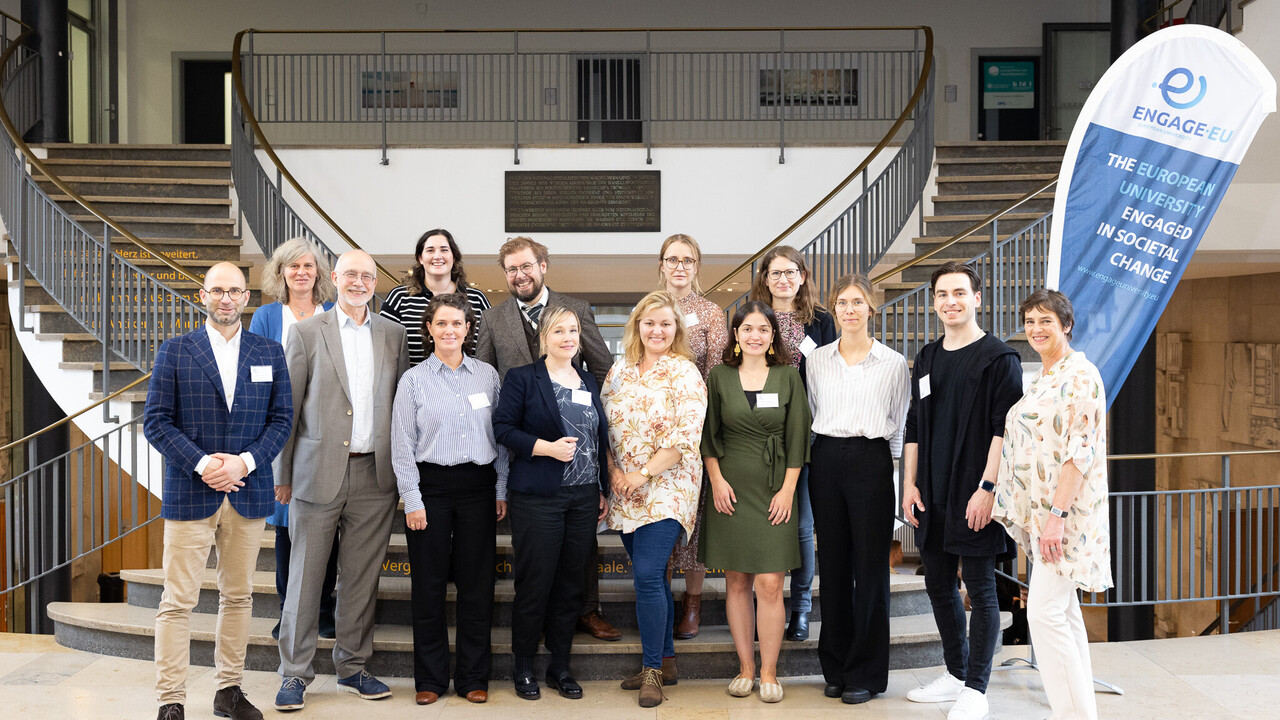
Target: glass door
x: 1075, y: 56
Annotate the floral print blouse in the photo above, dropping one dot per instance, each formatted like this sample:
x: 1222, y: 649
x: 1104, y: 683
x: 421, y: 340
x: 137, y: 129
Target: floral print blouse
x: 709, y: 335
x: 792, y: 332
x: 663, y: 408
x: 1061, y: 418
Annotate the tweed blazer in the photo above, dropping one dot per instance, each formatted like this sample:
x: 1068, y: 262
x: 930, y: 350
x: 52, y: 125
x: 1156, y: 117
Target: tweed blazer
x: 502, y: 341
x: 187, y: 417
x: 314, y: 460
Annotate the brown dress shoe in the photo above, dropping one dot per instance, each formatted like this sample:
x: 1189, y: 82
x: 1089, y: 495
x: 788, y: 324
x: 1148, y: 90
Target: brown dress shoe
x: 426, y: 697
x: 689, y: 618
x: 478, y: 696
x: 670, y: 675
x: 595, y: 624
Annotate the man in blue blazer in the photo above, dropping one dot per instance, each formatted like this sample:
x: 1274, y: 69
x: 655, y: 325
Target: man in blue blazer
x: 219, y: 409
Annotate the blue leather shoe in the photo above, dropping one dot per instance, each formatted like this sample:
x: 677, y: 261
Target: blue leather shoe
x: 292, y: 695
x: 365, y: 685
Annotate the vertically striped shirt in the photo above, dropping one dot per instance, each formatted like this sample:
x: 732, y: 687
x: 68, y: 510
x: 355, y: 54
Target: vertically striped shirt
x: 445, y: 417
x: 866, y: 400
x: 407, y: 309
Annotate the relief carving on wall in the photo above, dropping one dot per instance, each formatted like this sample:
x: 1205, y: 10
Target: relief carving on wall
x: 1251, y: 395
x: 1173, y: 363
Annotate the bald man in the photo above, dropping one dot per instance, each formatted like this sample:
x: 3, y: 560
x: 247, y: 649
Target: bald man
x: 335, y: 470
x: 219, y: 409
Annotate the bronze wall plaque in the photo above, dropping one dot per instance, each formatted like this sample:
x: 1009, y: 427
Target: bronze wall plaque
x: 583, y: 201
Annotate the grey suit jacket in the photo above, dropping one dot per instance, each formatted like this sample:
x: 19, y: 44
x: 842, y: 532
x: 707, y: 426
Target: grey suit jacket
x: 502, y: 341
x: 314, y: 459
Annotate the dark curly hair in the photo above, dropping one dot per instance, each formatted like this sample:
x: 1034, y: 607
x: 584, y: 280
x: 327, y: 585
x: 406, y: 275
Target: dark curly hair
x: 458, y: 301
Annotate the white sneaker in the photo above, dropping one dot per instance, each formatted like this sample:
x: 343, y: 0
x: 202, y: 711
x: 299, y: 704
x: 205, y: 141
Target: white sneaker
x: 971, y: 705
x: 944, y: 688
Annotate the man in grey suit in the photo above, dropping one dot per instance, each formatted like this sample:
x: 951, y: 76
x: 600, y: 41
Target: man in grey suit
x: 509, y: 338
x: 335, y: 470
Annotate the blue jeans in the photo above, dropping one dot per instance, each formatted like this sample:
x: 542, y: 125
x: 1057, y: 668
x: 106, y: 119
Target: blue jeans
x: 802, y: 577
x: 968, y: 659
x: 649, y: 547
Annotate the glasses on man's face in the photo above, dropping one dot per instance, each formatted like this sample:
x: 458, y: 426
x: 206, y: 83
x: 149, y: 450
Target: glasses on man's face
x: 672, y: 263
x: 233, y: 293
x: 525, y: 269
x: 791, y: 274
x: 365, y: 278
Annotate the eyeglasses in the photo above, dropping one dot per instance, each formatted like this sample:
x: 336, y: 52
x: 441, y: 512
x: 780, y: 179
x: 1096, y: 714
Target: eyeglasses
x: 365, y: 278
x: 233, y: 293
x: 673, y: 263
x: 525, y: 269
x: 791, y: 274
x: 842, y: 304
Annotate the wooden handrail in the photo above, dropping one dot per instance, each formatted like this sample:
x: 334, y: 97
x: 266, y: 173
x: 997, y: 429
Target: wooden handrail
x: 76, y: 414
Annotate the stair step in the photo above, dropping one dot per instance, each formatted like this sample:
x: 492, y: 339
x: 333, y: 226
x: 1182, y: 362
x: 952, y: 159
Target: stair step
x: 209, y: 169
x: 116, y: 151
x: 951, y: 225
x: 998, y: 166
x: 1000, y: 148
x: 141, y: 186
x: 151, y: 207
x: 144, y: 226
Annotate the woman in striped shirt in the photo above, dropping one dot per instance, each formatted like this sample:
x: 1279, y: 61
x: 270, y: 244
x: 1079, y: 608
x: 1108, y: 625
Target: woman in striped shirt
x: 858, y: 391
x: 437, y: 270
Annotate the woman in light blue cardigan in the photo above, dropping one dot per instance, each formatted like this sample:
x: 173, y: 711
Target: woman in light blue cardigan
x: 299, y: 278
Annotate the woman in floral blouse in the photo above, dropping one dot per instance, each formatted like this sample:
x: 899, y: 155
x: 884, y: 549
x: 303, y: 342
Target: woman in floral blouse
x: 1052, y: 498
x: 655, y: 400
x: 678, y: 265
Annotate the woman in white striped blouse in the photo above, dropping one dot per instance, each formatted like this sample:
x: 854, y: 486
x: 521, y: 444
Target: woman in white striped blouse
x: 858, y: 391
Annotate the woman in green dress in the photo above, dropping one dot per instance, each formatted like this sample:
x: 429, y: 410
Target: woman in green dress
x: 754, y: 442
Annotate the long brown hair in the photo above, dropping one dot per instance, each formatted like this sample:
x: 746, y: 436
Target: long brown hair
x: 806, y: 302
x: 417, y: 278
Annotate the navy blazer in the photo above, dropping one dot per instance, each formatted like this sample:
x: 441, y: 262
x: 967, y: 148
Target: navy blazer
x: 527, y: 412
x: 187, y: 417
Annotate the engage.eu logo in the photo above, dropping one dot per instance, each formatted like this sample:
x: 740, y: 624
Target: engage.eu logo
x: 1178, y: 83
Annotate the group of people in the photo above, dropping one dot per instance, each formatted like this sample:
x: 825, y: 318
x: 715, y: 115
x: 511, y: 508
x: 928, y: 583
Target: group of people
x: 707, y: 444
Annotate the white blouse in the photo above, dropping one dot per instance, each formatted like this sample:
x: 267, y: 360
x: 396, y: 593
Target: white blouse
x: 866, y: 400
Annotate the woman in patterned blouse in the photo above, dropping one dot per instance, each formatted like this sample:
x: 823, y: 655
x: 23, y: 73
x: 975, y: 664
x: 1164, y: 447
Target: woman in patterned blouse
x: 1051, y: 496
x: 655, y: 400
x: 678, y: 265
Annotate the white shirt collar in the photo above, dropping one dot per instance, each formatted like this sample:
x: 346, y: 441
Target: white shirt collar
x: 540, y: 300
x: 215, y: 337
x: 345, y: 319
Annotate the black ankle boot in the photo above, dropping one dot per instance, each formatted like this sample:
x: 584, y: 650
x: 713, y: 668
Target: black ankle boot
x: 798, y: 630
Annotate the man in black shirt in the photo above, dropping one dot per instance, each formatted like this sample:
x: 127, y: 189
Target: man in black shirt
x: 962, y: 386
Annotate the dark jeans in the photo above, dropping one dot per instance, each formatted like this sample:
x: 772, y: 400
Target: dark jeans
x: 852, y: 489
x: 551, y: 538
x: 327, y: 599
x: 460, y: 534
x: 649, y: 547
x: 802, y: 577
x: 967, y: 659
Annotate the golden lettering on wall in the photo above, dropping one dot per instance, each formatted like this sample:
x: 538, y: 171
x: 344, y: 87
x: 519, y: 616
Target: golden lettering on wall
x: 1251, y: 395
x: 1173, y: 362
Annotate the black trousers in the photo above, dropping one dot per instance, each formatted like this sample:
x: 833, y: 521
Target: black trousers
x: 460, y: 536
x: 552, y: 538
x: 851, y: 488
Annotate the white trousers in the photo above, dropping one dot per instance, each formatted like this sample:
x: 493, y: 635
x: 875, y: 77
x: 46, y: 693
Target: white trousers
x: 1061, y: 645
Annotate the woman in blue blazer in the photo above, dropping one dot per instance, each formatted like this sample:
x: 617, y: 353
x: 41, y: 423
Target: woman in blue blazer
x: 298, y: 277
x: 550, y: 417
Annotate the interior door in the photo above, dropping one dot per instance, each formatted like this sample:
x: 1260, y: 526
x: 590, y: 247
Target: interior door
x: 1075, y: 56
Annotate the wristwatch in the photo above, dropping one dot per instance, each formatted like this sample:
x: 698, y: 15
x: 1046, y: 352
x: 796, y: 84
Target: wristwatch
x: 987, y: 485
x: 644, y: 470
x: 1055, y: 510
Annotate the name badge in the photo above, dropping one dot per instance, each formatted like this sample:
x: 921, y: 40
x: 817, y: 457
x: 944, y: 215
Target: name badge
x: 581, y: 397
x: 690, y: 320
x: 924, y: 387
x: 259, y: 373
x: 808, y: 346
x: 767, y: 400
x: 478, y: 401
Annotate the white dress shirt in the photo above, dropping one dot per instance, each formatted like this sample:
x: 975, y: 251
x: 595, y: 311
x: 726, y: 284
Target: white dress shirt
x: 357, y: 353
x: 226, y: 353
x: 866, y: 400
x: 287, y: 321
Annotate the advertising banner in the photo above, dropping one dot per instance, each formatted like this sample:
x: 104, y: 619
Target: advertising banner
x: 1149, y: 159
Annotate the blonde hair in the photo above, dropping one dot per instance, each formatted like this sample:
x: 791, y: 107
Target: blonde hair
x: 863, y: 284
x: 549, y: 319
x: 697, y: 255
x: 806, y: 302
x: 633, y: 346
x: 273, y: 284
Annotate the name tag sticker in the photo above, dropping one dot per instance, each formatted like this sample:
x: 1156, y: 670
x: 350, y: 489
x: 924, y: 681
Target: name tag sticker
x: 259, y: 373
x: 924, y: 387
x: 690, y: 320
x: 767, y: 400
x: 808, y: 346
x: 478, y: 401
x: 581, y: 397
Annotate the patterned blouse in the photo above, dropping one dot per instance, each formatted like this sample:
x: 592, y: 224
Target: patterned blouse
x: 579, y: 421
x: 792, y: 332
x: 664, y: 408
x: 709, y: 335
x: 1061, y: 418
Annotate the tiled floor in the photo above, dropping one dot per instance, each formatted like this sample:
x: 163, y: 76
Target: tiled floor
x: 1212, y: 678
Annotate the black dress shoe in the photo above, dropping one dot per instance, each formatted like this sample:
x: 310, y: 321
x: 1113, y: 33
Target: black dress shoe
x: 527, y: 686
x: 856, y: 696
x: 833, y: 690
x: 564, y: 683
x: 798, y: 630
